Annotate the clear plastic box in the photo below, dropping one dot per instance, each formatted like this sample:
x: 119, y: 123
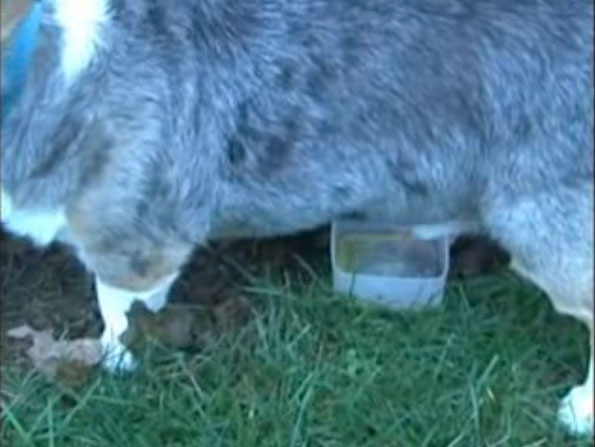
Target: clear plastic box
x: 387, y: 264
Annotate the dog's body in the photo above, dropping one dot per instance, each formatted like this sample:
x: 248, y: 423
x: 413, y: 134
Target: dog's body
x: 147, y: 127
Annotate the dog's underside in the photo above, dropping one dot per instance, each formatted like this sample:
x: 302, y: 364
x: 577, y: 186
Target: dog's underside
x: 147, y: 127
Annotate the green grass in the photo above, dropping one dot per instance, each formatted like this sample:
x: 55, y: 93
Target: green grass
x: 310, y: 369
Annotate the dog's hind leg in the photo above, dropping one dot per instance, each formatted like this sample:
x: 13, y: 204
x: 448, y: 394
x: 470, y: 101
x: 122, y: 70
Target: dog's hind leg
x: 114, y: 303
x: 550, y: 238
x: 128, y: 266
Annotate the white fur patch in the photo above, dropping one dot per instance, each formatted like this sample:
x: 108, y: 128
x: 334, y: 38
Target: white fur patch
x: 81, y: 22
x: 576, y: 411
x: 41, y: 226
x: 113, y: 304
x: 451, y: 229
x: 6, y: 205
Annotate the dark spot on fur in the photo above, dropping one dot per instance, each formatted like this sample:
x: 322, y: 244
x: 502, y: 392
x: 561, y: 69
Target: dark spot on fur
x: 92, y: 165
x: 276, y: 154
x: 326, y: 128
x: 341, y: 193
x: 523, y: 128
x: 291, y: 127
x: 75, y: 142
x: 243, y: 113
x: 158, y: 18
x: 287, y: 77
x: 263, y: 143
x: 140, y: 264
x: 95, y: 149
x: 278, y: 149
x: 155, y: 192
x: 236, y: 152
x: 319, y: 78
x: 61, y: 143
x: 351, y: 48
x: 107, y: 244
x: 142, y: 208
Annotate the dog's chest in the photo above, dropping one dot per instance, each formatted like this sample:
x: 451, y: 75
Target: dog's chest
x: 42, y: 226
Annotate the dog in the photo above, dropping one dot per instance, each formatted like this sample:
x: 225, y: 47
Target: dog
x: 145, y: 128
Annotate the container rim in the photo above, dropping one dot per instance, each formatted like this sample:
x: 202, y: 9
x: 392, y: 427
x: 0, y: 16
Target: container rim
x: 347, y: 224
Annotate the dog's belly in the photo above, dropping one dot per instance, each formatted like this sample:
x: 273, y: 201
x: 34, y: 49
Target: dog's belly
x: 244, y: 215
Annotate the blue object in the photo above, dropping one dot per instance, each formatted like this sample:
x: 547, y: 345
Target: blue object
x: 16, y: 61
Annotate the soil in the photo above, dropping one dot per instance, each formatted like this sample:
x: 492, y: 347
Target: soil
x: 50, y: 288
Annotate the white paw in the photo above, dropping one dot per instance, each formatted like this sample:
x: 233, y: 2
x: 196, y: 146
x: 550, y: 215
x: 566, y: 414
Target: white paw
x: 117, y: 359
x: 576, y: 411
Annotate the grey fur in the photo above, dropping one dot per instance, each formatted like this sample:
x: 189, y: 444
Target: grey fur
x: 210, y: 119
x: 201, y: 120
x: 270, y: 116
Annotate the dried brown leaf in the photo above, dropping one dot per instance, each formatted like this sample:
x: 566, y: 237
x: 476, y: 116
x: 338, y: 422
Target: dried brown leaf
x: 67, y: 361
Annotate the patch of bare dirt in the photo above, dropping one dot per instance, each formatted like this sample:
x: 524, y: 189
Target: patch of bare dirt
x: 51, y: 290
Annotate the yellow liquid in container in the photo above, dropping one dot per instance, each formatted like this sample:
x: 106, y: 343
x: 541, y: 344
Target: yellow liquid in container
x: 387, y: 254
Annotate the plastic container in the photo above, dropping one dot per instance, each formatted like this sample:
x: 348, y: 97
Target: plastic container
x: 386, y: 264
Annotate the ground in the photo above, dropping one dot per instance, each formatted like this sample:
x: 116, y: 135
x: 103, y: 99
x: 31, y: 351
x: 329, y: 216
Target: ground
x: 275, y: 359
